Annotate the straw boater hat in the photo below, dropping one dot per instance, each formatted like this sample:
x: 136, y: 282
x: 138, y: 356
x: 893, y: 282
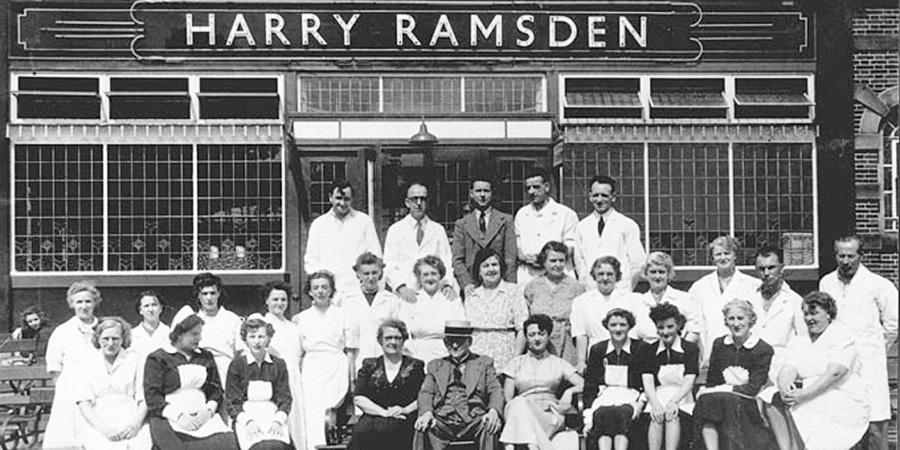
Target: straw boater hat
x: 458, y: 328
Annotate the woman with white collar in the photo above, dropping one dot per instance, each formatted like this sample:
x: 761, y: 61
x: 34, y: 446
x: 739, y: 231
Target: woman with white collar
x: 151, y: 334
x: 659, y: 271
x: 257, y: 394
x: 69, y: 350
x: 426, y: 317
x: 221, y: 327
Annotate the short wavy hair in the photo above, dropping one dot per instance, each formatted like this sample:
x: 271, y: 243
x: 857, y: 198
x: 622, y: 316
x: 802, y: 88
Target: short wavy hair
x: 543, y: 322
x: 482, y: 256
x: 207, y: 279
x: 727, y: 242
x: 430, y: 260
x: 552, y: 246
x: 254, y: 323
x: 147, y: 293
x: 396, y: 324
x: 823, y: 301
x: 743, y: 305
x: 320, y: 275
x: 619, y: 312
x: 106, y: 323
x: 661, y: 259
x: 666, y: 311
x: 612, y: 261
x: 88, y: 286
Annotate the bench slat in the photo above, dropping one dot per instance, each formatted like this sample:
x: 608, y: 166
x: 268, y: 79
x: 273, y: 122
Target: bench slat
x: 18, y: 373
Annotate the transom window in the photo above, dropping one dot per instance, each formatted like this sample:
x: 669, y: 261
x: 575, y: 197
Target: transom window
x: 112, y: 98
x: 408, y: 94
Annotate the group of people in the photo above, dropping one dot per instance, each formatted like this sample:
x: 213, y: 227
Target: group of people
x: 489, y: 339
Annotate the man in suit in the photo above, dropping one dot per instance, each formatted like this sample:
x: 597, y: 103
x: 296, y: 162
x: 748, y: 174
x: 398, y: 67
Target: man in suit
x: 461, y: 398
x: 483, y: 227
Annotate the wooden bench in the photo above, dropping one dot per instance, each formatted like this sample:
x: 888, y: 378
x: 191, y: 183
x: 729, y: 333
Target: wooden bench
x: 26, y: 393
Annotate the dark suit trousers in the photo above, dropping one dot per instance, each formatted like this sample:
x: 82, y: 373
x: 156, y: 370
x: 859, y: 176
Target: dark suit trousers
x: 440, y: 435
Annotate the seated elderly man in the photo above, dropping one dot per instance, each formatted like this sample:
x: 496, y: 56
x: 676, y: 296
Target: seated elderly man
x: 461, y: 398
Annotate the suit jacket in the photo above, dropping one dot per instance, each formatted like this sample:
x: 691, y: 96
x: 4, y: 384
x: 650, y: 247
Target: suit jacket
x: 480, y: 378
x: 468, y: 240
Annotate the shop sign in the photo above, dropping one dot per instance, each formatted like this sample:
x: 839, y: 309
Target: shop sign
x: 173, y: 30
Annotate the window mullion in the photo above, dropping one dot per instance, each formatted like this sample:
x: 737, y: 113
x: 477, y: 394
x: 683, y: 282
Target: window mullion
x: 647, y: 197
x: 195, y: 182
x: 105, y: 207
x: 731, y: 228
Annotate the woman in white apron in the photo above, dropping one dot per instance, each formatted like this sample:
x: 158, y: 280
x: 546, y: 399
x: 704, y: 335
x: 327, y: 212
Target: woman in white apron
x: 612, y: 389
x: 68, y: 351
x: 183, y: 393
x: 670, y: 368
x: 286, y: 345
x: 257, y: 394
x: 328, y: 343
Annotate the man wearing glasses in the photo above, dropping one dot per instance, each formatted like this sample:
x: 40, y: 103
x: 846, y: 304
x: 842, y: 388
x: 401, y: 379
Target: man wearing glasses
x: 411, y: 238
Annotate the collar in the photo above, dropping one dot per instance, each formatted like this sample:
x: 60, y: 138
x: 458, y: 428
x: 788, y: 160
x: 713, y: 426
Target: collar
x: 170, y: 349
x: 251, y: 360
x: 85, y: 328
x: 625, y: 348
x: 748, y: 344
x: 469, y: 356
x: 549, y: 207
x: 675, y: 346
x: 486, y: 212
x: 350, y: 214
x: 412, y: 221
x: 606, y: 216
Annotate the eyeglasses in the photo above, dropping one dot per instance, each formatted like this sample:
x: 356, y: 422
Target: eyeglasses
x: 417, y: 199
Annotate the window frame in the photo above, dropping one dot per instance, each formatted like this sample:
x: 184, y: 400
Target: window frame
x: 890, y: 224
x: 106, y: 218
x: 645, y: 94
x: 105, y: 91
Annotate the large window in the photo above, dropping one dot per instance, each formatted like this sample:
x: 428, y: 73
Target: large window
x: 148, y: 208
x: 684, y: 195
x: 412, y: 94
x: 890, y: 184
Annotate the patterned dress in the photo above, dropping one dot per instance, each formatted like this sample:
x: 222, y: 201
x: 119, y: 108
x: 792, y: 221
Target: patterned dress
x: 374, y: 432
x: 555, y: 300
x: 496, y: 315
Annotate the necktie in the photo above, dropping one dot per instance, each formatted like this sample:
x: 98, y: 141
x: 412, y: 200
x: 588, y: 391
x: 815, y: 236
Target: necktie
x: 420, y: 233
x: 482, y: 222
x: 601, y: 224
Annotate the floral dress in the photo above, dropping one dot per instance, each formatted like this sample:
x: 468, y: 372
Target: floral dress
x: 555, y: 300
x: 496, y: 316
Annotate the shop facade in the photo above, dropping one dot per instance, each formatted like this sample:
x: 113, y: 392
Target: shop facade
x: 149, y: 141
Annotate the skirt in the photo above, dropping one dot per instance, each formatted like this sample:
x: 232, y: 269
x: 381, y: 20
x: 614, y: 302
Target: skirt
x: 326, y: 378
x: 532, y: 419
x: 737, y: 419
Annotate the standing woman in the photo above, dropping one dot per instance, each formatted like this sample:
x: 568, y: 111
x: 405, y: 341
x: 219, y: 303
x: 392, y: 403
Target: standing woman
x: 69, y: 349
x: 552, y: 294
x: 496, y: 309
x: 151, y: 334
x: 726, y: 413
x: 426, y: 317
x: 111, y: 393
x: 659, y: 271
x: 183, y: 393
x: 714, y: 290
x: 221, y: 327
x: 669, y: 370
x: 328, y: 343
x: 286, y: 345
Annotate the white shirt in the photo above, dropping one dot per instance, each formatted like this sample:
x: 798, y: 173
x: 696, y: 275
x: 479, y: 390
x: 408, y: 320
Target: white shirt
x: 145, y: 343
x: 621, y: 239
x: 685, y: 303
x: 867, y: 305
x: 335, y: 243
x: 330, y: 331
x: 401, y: 251
x: 221, y: 335
x: 425, y: 320
x: 784, y: 319
x: 590, y: 308
x: 368, y: 317
x: 534, y: 228
x: 711, y: 301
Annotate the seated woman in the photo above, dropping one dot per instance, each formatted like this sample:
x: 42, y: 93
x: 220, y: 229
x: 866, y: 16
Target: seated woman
x: 612, y: 383
x: 183, y: 393
x: 533, y: 413
x: 726, y: 413
x: 386, y: 391
x: 426, y: 317
x: 257, y: 393
x: 110, y: 394
x: 821, y: 382
x: 35, y: 325
x: 669, y: 369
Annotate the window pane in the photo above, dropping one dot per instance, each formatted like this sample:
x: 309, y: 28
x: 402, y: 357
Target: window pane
x: 338, y: 94
x: 239, y: 98
x: 688, y: 199
x: 773, y: 195
x: 503, y: 95
x: 511, y: 177
x: 58, y: 98
x: 58, y: 208
x: 149, y: 98
x: 150, y: 207
x: 624, y: 162
x: 240, y: 213
x: 422, y: 95
x: 322, y: 175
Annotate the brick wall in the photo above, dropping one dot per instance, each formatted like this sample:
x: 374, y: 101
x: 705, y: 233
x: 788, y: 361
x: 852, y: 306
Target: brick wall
x: 877, y: 68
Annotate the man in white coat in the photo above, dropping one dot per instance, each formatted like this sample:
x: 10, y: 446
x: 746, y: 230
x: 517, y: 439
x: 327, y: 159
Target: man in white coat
x: 338, y: 237
x: 413, y: 237
x: 607, y: 232
x: 867, y: 303
x: 541, y: 221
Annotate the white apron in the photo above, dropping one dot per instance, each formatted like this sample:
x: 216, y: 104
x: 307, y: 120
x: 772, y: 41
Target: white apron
x: 260, y: 407
x: 189, y: 399
x: 670, y: 378
x: 328, y: 372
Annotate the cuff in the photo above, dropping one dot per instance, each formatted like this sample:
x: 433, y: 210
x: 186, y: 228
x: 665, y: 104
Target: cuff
x: 213, y: 406
x: 281, y: 417
x: 243, y: 418
x: 169, y: 412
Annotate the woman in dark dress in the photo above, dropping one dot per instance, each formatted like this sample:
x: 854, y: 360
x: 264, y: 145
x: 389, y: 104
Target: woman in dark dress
x: 726, y: 414
x: 612, y: 390
x: 183, y: 393
x: 386, y: 392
